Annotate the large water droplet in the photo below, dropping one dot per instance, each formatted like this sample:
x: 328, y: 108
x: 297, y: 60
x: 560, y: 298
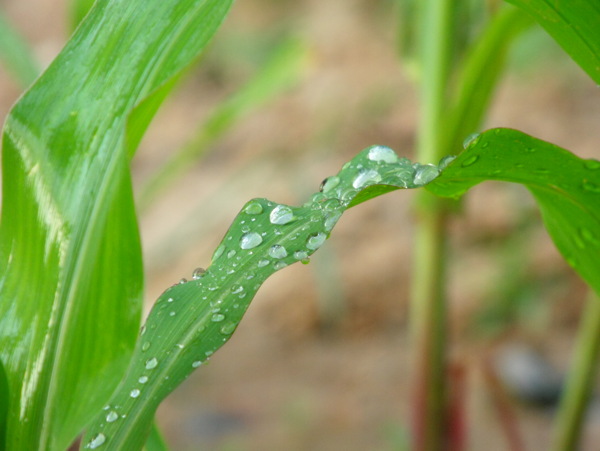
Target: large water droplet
x: 277, y: 251
x: 134, y: 393
x: 382, y: 153
x: 470, y: 161
x: 281, y: 214
x: 471, y: 140
x: 253, y: 208
x: 329, y: 183
x: 366, y: 177
x: 250, y: 240
x: 112, y: 416
x: 96, y: 441
x: 151, y: 363
x: 425, y: 173
x: 198, y: 273
x: 217, y: 317
x: 316, y: 241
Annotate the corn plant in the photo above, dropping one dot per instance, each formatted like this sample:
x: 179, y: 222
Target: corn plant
x: 73, y: 358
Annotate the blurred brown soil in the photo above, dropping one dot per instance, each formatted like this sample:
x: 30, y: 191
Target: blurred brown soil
x: 322, y: 358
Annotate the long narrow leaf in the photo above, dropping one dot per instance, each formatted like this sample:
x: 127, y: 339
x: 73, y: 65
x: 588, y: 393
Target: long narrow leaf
x: 192, y: 319
x: 70, y: 264
x: 17, y: 56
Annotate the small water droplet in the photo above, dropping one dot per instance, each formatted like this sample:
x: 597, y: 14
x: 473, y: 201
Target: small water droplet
x: 329, y: 183
x: 348, y: 195
x: 281, y: 214
x: 316, y: 241
x: 300, y: 255
x: 218, y: 252
x: 134, y: 393
x: 145, y: 346
x: 237, y: 289
x: 250, y: 240
x: 96, y: 441
x: 143, y: 379
x: 196, y: 364
x: 228, y: 328
x: 382, y: 153
x: 591, y: 164
x: 277, y: 251
x: 170, y: 300
x: 172, y: 313
x: 198, y: 273
x: 112, y: 416
x: 366, y: 177
x: 217, y: 317
x: 182, y: 281
x: 253, y: 208
x: 444, y: 162
x: 471, y: 140
x: 231, y: 253
x: 591, y: 186
x: 425, y: 173
x: 470, y: 161
x: 279, y: 265
x: 262, y: 263
x: 151, y: 363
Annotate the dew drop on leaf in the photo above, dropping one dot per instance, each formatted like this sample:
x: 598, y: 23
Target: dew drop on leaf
x: 218, y: 252
x: 151, y: 363
x: 262, y: 263
x: 112, y: 416
x: 425, y: 173
x: 96, y: 441
x: 277, y: 251
x: 196, y: 364
x: 253, y: 208
x: 250, y: 240
x: 182, y: 281
x: 281, y: 215
x: 227, y: 329
x: 198, y: 273
x: 134, y: 393
x: 591, y: 187
x: 316, y: 241
x: 470, y: 161
x: 329, y: 183
x: 444, y: 162
x: 143, y: 379
x: 231, y: 253
x: 145, y: 346
x: 217, y: 317
x: 300, y: 255
x: 471, y: 140
x: 366, y: 177
x: 279, y: 265
x: 382, y: 153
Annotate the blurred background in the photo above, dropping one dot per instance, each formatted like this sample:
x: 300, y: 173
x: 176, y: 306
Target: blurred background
x: 285, y: 94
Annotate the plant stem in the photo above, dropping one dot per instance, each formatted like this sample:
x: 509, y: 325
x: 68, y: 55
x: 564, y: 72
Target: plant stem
x: 581, y: 379
x: 427, y: 298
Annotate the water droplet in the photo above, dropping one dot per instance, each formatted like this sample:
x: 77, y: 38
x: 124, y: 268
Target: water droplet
x: 134, y: 393
x: 253, y: 208
x: 348, y: 195
x: 425, y: 173
x: 112, y: 416
x: 591, y: 187
x: 196, y: 364
x: 589, y: 236
x: 281, y: 214
x: 182, y: 281
x: 237, y: 289
x: 591, y: 164
x: 250, y: 240
x: 218, y: 252
x: 279, y: 265
x: 470, y: 161
x: 96, y: 441
x: 316, y: 241
x: 143, y: 379
x: 217, y: 317
x: 262, y: 263
x: 172, y: 313
x: 471, y: 140
x: 382, y: 153
x: 151, y: 363
x: 444, y: 162
x: 277, y: 251
x: 231, y: 253
x: 330, y: 205
x: 329, y: 183
x: 170, y: 300
x: 331, y: 220
x: 228, y: 328
x: 366, y: 177
x: 145, y: 346
x: 198, y: 273
x: 300, y: 255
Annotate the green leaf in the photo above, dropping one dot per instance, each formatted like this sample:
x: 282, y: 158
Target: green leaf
x: 192, y: 319
x: 574, y: 25
x: 566, y: 188
x: 70, y: 260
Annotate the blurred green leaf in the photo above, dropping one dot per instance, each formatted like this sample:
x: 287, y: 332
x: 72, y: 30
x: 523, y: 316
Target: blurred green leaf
x: 575, y: 25
x: 566, y: 188
x: 16, y: 54
x: 70, y: 259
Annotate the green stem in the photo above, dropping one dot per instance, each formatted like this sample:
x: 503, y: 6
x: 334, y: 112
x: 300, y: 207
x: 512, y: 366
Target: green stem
x: 427, y: 298
x: 581, y: 380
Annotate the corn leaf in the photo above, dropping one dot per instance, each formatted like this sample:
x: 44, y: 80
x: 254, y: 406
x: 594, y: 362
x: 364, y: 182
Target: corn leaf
x: 192, y: 319
x: 575, y: 25
x: 70, y: 259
